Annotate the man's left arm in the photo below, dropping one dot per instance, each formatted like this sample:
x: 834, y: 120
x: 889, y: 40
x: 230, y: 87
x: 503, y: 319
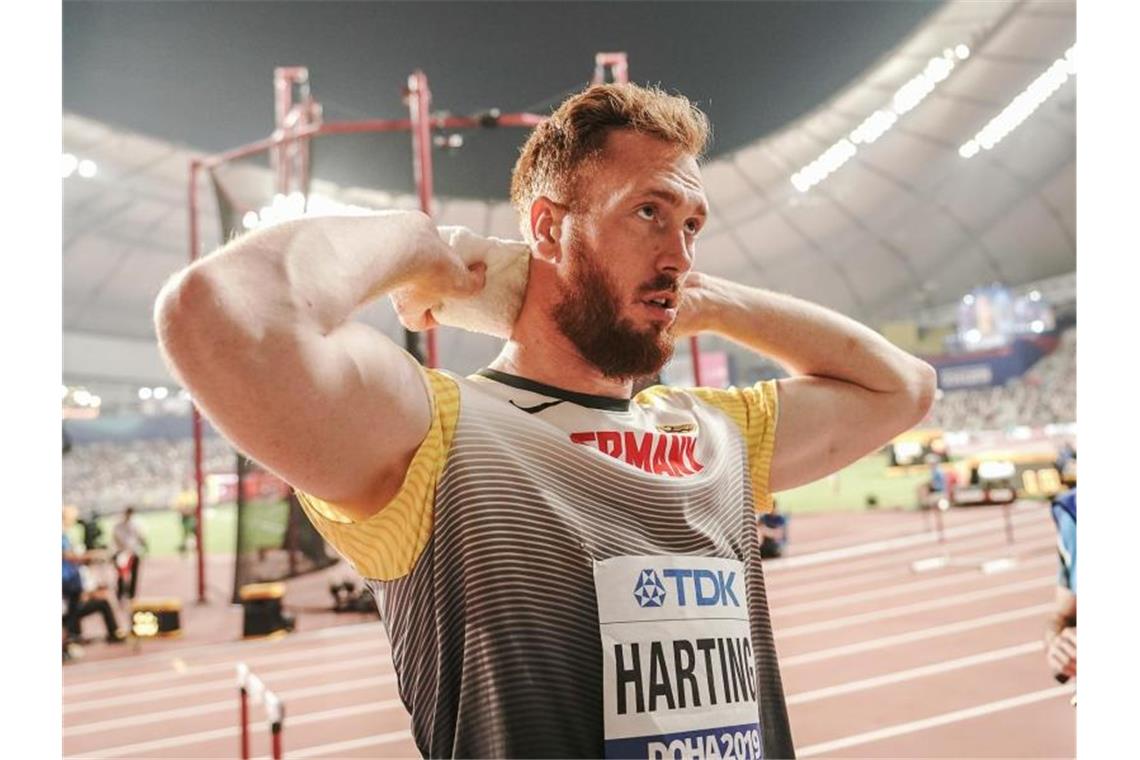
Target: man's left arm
x: 851, y: 391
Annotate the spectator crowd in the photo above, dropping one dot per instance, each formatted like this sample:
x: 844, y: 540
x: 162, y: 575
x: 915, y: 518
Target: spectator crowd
x: 1046, y: 394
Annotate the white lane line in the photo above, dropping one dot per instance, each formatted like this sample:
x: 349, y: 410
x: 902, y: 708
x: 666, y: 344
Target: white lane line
x: 372, y: 629
x: 112, y: 683
x: 139, y: 719
x: 896, y: 589
x: 1031, y: 539
x: 884, y: 642
x: 782, y: 634
x: 911, y: 674
x: 323, y: 750
x: 222, y: 684
x: 889, y: 544
x: 897, y: 527
x: 221, y: 733
x: 934, y: 721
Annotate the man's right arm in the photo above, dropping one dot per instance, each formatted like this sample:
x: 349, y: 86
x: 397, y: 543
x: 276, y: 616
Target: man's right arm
x: 260, y: 333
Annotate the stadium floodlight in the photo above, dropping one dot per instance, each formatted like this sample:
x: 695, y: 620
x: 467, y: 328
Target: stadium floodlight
x: 70, y: 164
x: 87, y: 168
x: 96, y: 401
x: 905, y: 99
x: 81, y: 397
x: 1022, y: 106
x: 160, y: 393
x: 1037, y: 326
x: 873, y: 127
x: 145, y: 394
x: 1035, y: 295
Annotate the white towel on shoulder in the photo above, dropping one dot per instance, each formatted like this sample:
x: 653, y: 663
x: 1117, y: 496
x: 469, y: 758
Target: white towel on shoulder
x: 494, y: 310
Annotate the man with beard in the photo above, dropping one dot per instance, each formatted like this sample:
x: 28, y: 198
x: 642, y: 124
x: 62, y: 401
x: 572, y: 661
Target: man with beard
x: 564, y: 569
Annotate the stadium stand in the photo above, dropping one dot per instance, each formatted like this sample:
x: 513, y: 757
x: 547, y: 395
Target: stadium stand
x: 1046, y: 394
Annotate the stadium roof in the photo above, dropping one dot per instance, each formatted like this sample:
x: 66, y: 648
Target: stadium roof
x: 866, y: 203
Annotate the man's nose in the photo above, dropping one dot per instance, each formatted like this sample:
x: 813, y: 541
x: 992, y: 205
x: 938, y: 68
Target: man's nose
x: 676, y: 255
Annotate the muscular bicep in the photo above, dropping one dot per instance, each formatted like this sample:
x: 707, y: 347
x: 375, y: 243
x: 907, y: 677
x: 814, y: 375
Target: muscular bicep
x: 338, y: 415
x: 826, y: 424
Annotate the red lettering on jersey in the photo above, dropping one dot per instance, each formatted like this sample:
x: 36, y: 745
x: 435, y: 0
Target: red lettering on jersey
x: 676, y: 456
x: 670, y: 454
x: 689, y: 452
x: 636, y: 453
x: 661, y: 457
x: 609, y: 442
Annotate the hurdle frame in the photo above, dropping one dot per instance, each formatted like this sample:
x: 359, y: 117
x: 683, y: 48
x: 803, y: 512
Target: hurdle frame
x: 299, y: 120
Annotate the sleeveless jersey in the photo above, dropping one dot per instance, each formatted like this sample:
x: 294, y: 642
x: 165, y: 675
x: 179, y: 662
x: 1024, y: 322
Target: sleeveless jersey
x: 482, y: 564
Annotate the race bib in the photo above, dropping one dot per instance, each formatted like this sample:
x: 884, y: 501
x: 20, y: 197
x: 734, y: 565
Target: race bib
x: 680, y: 679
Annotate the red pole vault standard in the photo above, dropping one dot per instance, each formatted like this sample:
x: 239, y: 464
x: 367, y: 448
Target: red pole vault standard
x: 419, y: 106
x: 196, y: 416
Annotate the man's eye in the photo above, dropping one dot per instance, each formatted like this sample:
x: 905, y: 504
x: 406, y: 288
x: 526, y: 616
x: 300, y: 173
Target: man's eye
x: 647, y: 212
x: 693, y: 226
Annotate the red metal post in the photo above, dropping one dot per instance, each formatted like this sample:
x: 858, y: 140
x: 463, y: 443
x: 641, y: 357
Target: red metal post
x: 276, y: 729
x: 196, y: 416
x: 419, y: 106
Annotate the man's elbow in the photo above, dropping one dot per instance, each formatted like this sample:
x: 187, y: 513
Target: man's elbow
x: 921, y: 390
x: 182, y: 314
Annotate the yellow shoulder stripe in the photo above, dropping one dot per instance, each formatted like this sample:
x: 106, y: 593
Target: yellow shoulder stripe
x: 387, y: 545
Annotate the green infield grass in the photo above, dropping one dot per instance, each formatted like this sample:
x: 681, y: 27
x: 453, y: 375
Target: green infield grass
x: 265, y: 523
x: 848, y: 489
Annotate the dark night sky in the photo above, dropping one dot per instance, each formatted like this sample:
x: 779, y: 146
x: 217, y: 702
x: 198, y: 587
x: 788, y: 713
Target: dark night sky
x: 200, y: 73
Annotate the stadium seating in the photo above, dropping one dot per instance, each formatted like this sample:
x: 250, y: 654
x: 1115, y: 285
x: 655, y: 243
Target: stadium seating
x: 1046, y: 394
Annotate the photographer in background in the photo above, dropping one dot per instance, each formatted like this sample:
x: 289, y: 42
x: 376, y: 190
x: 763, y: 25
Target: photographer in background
x: 130, y: 543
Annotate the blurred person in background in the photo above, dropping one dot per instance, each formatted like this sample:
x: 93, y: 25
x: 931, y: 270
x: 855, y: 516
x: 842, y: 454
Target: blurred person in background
x: 82, y: 602
x: 130, y: 543
x: 773, y: 532
x: 1061, y: 631
x: 187, y: 506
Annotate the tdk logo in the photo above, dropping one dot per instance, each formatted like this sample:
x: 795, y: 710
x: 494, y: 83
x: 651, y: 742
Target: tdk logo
x: 704, y: 588
x: 649, y: 592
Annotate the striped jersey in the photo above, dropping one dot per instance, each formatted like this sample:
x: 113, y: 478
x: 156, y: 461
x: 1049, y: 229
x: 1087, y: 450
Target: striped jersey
x: 484, y: 564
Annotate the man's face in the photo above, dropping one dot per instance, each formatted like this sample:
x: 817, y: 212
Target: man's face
x: 631, y: 235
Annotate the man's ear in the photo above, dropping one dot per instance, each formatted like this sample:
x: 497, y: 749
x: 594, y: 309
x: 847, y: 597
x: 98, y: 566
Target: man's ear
x: 546, y: 228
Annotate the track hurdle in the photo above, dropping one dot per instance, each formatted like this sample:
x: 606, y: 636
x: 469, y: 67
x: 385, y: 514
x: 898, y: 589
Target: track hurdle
x: 251, y: 689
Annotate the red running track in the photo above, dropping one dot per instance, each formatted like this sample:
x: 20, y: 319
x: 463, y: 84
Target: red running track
x: 878, y: 659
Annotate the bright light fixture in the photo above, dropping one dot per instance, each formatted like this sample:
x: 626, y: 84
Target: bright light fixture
x: 913, y: 92
x: 160, y: 393
x: 1037, y: 326
x: 1022, y: 106
x: 70, y: 164
x: 145, y: 393
x: 81, y: 397
x: 87, y: 168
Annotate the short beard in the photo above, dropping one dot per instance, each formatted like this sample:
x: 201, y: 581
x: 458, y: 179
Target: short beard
x: 589, y: 316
